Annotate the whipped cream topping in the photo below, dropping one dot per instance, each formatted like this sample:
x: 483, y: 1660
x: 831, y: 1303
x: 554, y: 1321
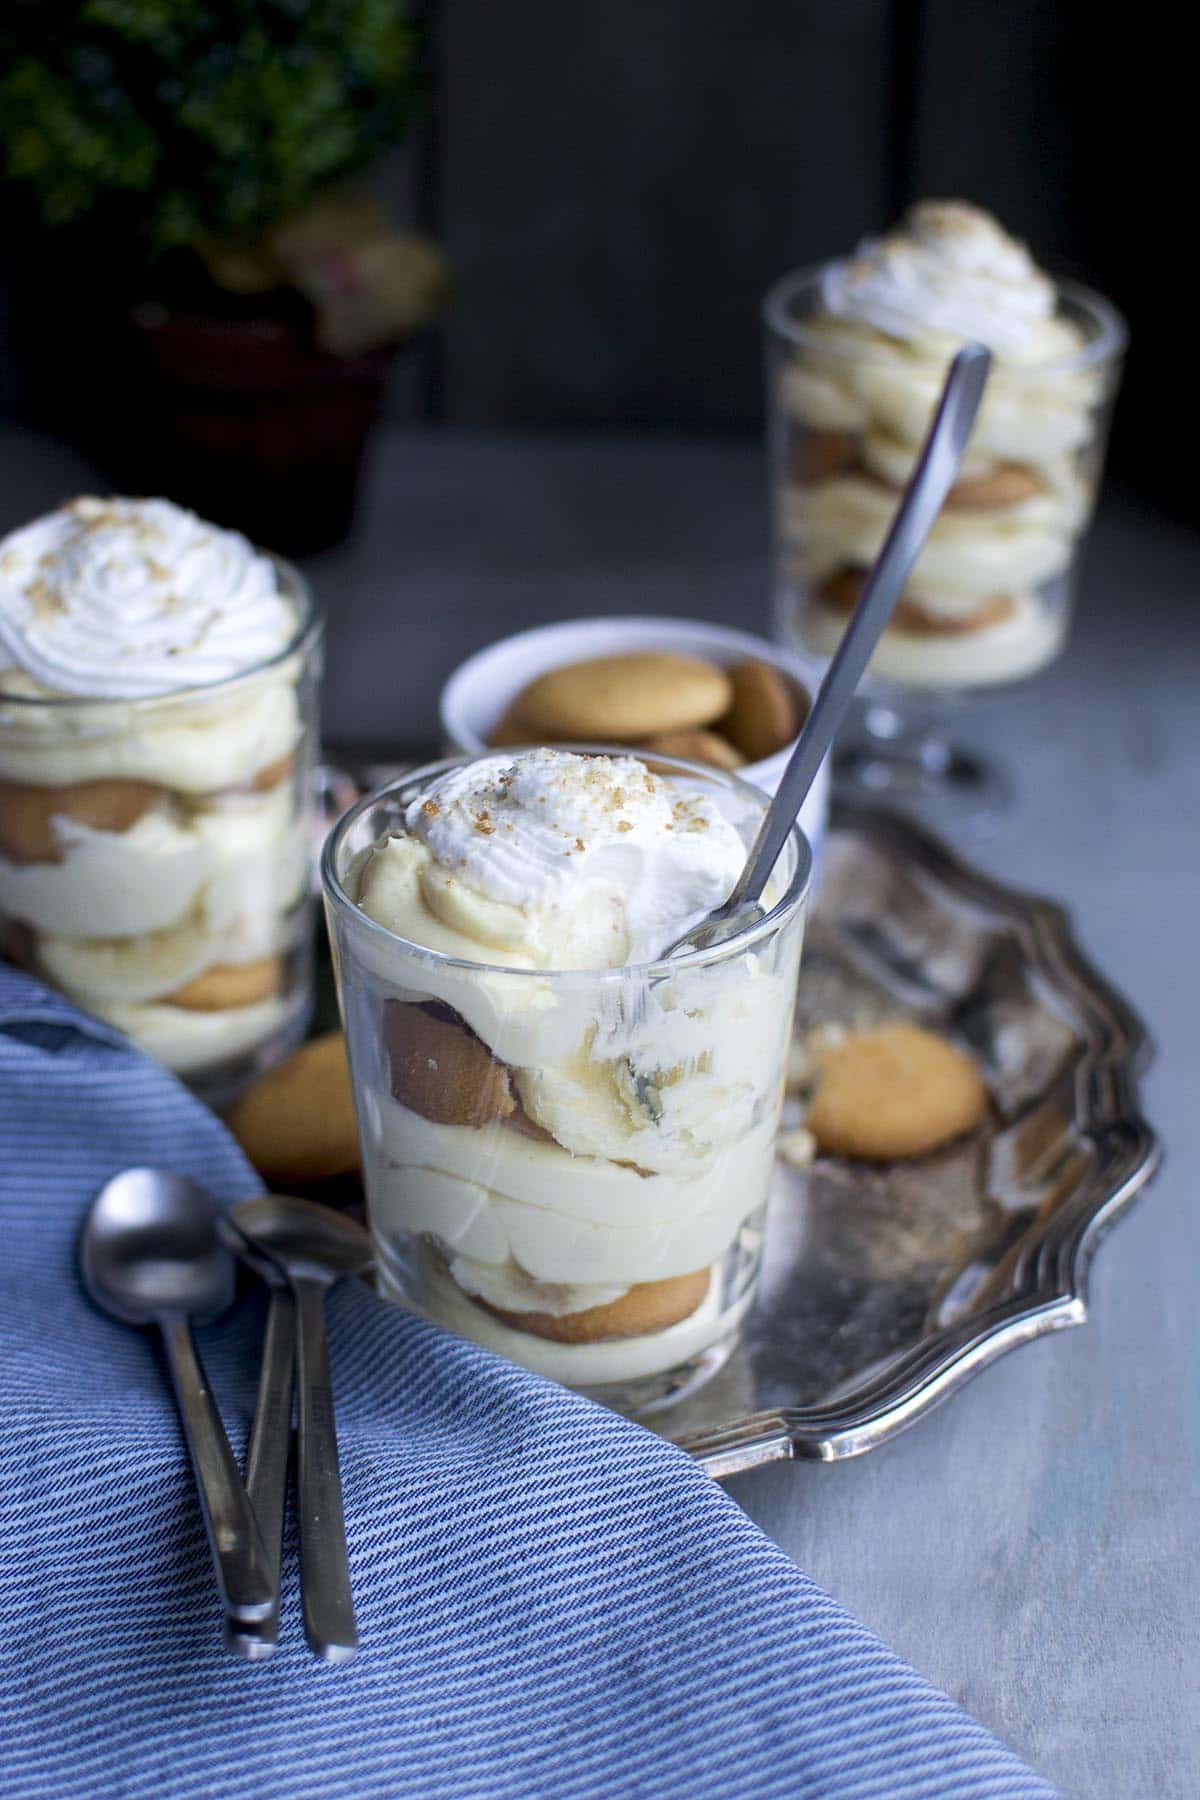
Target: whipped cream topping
x: 599, y: 854
x: 127, y: 599
x: 947, y: 267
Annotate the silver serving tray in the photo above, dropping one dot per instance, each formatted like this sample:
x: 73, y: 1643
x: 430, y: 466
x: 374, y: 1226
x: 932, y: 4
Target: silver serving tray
x: 885, y: 1290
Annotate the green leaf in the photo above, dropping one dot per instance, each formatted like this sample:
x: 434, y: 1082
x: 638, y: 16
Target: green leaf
x: 158, y: 122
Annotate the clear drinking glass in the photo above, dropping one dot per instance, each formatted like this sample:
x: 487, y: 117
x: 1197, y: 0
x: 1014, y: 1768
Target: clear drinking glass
x: 989, y: 602
x: 623, y: 1261
x: 156, y: 858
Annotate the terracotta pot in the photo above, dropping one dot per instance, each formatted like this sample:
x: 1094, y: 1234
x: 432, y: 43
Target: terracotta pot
x: 252, y: 425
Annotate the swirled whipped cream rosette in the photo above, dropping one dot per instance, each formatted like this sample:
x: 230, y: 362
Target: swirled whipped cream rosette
x: 155, y: 687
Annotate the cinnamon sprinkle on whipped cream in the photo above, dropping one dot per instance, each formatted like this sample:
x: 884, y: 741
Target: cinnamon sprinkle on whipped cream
x: 947, y: 267
x: 573, y: 861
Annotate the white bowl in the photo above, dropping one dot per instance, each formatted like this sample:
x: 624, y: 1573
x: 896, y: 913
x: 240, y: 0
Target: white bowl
x: 481, y: 690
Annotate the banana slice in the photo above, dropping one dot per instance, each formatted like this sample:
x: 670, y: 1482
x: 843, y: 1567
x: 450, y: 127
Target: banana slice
x: 1023, y: 418
x: 675, y: 1096
x: 579, y: 1102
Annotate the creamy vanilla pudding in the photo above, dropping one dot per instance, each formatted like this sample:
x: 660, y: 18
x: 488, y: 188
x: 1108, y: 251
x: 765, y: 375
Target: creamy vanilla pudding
x: 157, y: 715
x: 858, y: 353
x: 567, y: 1143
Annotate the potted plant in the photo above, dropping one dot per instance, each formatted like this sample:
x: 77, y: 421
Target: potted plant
x: 201, y: 284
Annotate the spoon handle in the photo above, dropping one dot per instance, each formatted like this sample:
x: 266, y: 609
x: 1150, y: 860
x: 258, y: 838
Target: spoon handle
x: 239, y: 1558
x: 324, y: 1560
x: 267, y: 1466
x: 935, y: 474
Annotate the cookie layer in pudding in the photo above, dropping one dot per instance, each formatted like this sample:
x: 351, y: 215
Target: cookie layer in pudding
x: 842, y: 592
x: 593, y: 1365
x: 580, y: 1144
x: 501, y: 1198
x: 647, y: 1307
x: 440, y: 1069
x: 192, y: 1043
x: 238, y: 919
x: 31, y: 817
x: 239, y: 857
x: 969, y: 553
x: 224, y: 987
x: 860, y: 389
x: 819, y: 453
x: 983, y: 483
x: 224, y: 1012
x: 154, y: 836
x: 1022, y: 640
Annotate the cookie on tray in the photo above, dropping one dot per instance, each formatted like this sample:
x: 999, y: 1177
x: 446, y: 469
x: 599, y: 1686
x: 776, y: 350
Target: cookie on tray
x: 297, y: 1124
x: 896, y: 1091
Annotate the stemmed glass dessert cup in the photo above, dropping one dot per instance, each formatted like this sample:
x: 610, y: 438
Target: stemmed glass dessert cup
x: 156, y: 857
x: 571, y: 1167
x: 991, y: 598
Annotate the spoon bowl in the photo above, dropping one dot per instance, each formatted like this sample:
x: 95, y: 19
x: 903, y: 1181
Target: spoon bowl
x: 247, y: 1251
x: 150, y: 1253
x: 150, y: 1245
x: 302, y: 1239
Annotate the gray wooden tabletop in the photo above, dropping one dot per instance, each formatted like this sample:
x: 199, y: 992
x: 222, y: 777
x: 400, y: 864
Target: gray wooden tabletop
x: 1032, y: 1547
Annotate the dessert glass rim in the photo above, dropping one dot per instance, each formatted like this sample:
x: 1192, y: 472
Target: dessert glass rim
x: 1110, y: 341
x: 310, y: 623
x: 794, y: 895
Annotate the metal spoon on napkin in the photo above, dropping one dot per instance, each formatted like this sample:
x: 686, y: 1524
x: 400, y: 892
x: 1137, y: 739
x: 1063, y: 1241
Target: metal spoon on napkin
x: 269, y: 1453
x: 149, y: 1254
x: 314, y: 1247
x: 935, y: 474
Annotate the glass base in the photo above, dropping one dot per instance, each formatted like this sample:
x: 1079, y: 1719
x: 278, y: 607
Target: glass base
x: 909, y: 764
x: 403, y: 1275
x: 649, y: 1395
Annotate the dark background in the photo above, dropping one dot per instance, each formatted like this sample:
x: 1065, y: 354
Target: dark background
x: 617, y: 185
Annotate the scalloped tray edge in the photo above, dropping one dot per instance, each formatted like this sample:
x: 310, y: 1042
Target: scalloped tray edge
x: 1048, y: 1291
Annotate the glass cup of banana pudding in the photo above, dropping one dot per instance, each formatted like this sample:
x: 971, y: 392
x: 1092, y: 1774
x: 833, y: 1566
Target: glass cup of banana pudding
x: 567, y: 1139
x: 158, y: 690
x: 856, y: 353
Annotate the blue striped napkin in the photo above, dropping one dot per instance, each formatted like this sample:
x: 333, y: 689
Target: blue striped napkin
x: 552, y: 1601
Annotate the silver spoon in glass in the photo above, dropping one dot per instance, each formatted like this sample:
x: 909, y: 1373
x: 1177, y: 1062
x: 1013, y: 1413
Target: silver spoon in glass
x: 935, y: 474
x: 149, y: 1254
x: 314, y: 1247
